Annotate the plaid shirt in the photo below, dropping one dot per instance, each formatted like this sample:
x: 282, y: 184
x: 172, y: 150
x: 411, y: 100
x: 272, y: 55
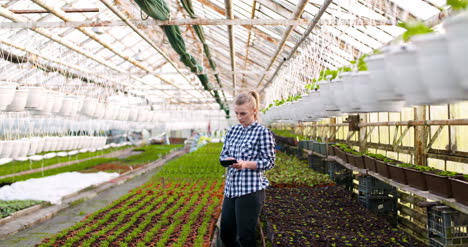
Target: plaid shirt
x: 252, y: 143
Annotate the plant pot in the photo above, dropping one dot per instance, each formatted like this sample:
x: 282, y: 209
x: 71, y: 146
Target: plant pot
x: 89, y: 107
x: 415, y: 178
x: 439, y: 185
x: 382, y: 168
x: 457, y: 39
x: 323, y: 148
x: 460, y: 190
x: 397, y: 173
x: 57, y: 103
x: 36, y: 97
x: 356, y: 160
x: 370, y: 163
x: 19, y: 101
x: 7, y: 94
x: 435, y: 69
x: 384, y: 88
x: 341, y: 154
x: 402, y: 67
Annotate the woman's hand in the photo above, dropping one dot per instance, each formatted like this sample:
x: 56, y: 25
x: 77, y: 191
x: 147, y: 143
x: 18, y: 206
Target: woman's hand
x: 241, y: 164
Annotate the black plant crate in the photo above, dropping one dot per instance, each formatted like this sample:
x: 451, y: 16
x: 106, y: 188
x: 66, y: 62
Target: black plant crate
x: 302, y: 145
x: 384, y: 207
x: 323, y: 148
x: 447, y: 226
x: 380, y: 206
x: 317, y: 163
x: 373, y: 188
x: 340, y: 174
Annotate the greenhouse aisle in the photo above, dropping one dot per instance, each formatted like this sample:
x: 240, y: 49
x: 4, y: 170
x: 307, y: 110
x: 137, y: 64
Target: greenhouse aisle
x: 74, y: 214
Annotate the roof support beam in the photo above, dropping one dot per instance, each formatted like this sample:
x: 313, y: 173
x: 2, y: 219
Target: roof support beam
x: 296, y: 15
x: 247, y: 44
x: 230, y: 16
x: 317, y: 17
x: 248, y: 23
x: 66, y: 10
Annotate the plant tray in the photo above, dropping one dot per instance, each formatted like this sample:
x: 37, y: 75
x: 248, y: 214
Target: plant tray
x: 397, y: 173
x: 382, y: 168
x: 370, y: 163
x: 340, y: 174
x: 415, y: 178
x: 439, y: 185
x: 460, y: 190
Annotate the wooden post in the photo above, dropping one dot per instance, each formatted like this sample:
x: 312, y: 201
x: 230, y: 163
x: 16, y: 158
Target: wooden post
x: 332, y: 130
x: 363, y: 134
x: 420, y: 137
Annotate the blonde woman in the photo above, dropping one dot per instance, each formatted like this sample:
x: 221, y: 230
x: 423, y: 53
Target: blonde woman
x: 253, y: 146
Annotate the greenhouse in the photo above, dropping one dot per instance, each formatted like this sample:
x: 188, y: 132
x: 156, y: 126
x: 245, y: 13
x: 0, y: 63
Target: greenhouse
x: 323, y: 123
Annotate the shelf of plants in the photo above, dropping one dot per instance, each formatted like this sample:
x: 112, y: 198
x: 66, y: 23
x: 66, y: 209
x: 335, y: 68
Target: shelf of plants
x: 179, y: 206
x: 304, y: 208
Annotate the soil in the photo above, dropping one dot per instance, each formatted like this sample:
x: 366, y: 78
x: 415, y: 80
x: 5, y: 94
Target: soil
x: 110, y: 167
x: 326, y: 216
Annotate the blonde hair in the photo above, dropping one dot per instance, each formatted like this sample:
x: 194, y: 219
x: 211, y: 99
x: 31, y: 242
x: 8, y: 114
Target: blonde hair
x: 252, y: 98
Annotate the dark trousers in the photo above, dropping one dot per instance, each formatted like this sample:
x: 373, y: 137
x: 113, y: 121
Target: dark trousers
x: 239, y: 219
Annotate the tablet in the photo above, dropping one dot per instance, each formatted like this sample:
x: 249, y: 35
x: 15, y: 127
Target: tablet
x: 227, y: 163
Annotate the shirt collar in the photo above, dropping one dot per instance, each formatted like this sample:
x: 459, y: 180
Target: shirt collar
x: 251, y: 126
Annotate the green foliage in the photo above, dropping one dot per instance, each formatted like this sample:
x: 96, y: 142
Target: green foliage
x: 375, y: 156
x: 9, y: 207
x: 447, y: 173
x: 424, y: 168
x: 465, y: 176
x: 150, y: 153
x: 414, y: 28
x: 458, y: 4
x: 287, y: 133
x: 289, y: 170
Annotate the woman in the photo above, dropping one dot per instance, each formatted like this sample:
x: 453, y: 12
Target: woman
x: 253, y: 146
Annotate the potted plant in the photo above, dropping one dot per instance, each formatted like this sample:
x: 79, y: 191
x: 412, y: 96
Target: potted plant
x: 397, y: 173
x: 19, y: 101
x: 340, y: 153
x: 460, y: 188
x: 457, y: 36
x: 434, y: 67
x: 369, y: 160
x: 402, y: 67
x: 382, y: 166
x: 438, y: 182
x: 355, y: 158
x: 7, y: 94
x: 415, y: 176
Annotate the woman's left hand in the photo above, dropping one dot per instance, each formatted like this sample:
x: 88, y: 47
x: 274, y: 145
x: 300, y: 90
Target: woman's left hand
x: 241, y: 164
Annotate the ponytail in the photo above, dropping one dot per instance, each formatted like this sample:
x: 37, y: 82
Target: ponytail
x: 252, y: 98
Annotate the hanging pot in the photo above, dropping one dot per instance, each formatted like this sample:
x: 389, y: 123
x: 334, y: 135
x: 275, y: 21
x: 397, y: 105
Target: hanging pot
x: 68, y: 106
x: 384, y: 88
x: 19, y: 102
x: 457, y: 39
x: 58, y: 101
x: 89, y: 107
x: 36, y: 97
x: 7, y: 94
x: 402, y: 67
x: 435, y: 68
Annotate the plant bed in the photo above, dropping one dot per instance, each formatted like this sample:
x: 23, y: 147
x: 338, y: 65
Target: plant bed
x: 460, y: 189
x: 323, y: 217
x: 291, y: 172
x: 397, y: 173
x: 179, y: 206
x: 9, y: 207
x: 370, y: 163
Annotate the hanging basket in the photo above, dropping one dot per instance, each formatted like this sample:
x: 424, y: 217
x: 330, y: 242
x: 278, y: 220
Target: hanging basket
x: 19, y: 101
x: 7, y: 94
